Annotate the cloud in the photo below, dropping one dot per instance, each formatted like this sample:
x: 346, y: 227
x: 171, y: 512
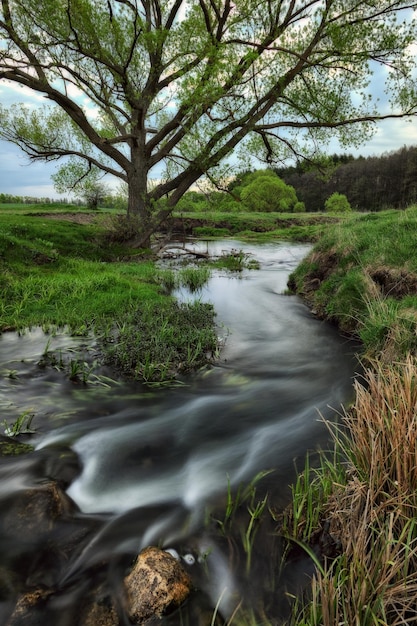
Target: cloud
x: 11, y: 93
x: 20, y: 177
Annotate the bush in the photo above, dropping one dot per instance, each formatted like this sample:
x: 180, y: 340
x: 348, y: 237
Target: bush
x: 337, y: 203
x: 192, y: 202
x: 267, y: 192
x: 299, y: 207
x: 122, y: 228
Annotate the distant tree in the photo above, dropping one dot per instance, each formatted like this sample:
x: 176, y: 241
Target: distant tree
x: 337, y: 203
x: 265, y: 191
x: 370, y: 184
x: 175, y: 86
x: 409, y: 182
x: 95, y: 195
x: 192, y: 201
x: 299, y: 207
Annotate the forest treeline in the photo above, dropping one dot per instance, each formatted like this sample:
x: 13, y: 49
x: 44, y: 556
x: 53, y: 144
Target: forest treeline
x: 370, y: 184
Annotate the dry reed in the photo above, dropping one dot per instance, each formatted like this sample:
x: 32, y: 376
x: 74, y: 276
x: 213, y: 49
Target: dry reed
x: 374, y: 515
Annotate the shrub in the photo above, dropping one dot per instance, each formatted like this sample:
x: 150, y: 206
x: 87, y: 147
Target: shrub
x: 268, y: 193
x: 299, y: 207
x: 337, y: 203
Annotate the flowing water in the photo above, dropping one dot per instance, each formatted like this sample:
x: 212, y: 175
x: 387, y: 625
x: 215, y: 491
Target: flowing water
x: 156, y: 464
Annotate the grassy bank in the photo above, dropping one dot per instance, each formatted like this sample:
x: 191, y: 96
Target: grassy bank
x: 59, y: 273
x: 253, y: 226
x: 362, y: 274
x: 365, y: 504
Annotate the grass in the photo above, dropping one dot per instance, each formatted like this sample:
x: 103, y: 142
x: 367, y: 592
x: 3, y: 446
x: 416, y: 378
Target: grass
x: 258, y: 226
x: 236, y: 261
x: 371, y: 508
x: 21, y: 426
x: 363, y: 275
x: 80, y: 294
x: 58, y: 274
x: 156, y: 343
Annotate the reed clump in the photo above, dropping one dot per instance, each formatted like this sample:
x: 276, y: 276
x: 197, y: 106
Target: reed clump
x: 371, y: 512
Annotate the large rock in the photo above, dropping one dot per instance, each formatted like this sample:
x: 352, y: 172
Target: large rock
x: 157, y: 584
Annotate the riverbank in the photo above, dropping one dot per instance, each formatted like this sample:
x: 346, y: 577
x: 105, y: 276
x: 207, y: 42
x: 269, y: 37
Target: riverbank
x: 70, y: 273
x: 362, y: 275
x: 68, y: 267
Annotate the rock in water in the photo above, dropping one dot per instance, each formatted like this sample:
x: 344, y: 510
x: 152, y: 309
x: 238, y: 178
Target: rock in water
x: 157, y: 583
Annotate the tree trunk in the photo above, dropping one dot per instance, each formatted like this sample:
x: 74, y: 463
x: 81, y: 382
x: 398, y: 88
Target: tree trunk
x: 139, y: 205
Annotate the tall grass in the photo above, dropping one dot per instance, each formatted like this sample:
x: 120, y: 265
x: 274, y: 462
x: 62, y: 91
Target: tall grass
x: 372, y: 508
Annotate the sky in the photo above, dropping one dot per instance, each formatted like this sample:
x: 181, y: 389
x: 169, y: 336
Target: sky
x: 20, y: 177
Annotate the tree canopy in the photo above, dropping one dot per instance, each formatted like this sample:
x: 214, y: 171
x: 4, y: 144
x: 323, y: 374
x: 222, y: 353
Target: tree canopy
x: 373, y: 183
x: 265, y: 191
x: 168, y: 89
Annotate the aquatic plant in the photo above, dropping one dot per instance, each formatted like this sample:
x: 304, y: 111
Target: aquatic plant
x: 22, y: 425
x: 194, y: 278
x: 235, y: 261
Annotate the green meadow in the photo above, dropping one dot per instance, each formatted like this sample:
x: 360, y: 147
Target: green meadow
x: 57, y: 274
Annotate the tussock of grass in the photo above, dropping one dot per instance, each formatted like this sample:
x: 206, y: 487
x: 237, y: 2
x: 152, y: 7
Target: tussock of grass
x: 363, y: 275
x: 372, y: 508
x: 156, y: 342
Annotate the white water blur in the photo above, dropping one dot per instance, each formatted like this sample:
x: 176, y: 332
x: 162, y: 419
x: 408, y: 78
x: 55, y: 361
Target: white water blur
x: 154, y: 462
x: 276, y: 373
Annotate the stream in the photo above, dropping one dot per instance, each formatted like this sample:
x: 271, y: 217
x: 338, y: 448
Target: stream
x: 158, y: 466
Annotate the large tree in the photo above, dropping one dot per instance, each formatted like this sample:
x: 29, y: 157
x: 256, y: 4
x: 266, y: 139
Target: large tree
x: 169, y: 88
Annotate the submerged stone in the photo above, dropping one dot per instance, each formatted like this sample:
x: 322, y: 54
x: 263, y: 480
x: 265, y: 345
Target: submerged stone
x: 157, y: 584
x: 10, y: 447
x: 36, y: 509
x: 14, y: 448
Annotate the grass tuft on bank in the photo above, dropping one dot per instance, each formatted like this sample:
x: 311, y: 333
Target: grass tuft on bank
x: 369, y: 512
x: 362, y: 275
x: 57, y: 273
